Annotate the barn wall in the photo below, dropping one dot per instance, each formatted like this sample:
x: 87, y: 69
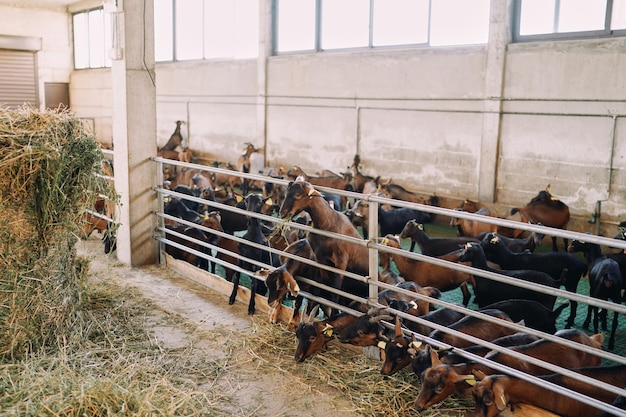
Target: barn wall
x: 53, y: 27
x: 563, y: 125
x: 417, y: 116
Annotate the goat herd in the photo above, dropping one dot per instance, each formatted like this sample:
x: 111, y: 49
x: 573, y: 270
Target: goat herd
x: 404, y: 319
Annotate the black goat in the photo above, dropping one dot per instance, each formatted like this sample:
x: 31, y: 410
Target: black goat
x: 391, y: 221
x: 535, y: 315
x: 552, y: 263
x: 431, y: 246
x: 489, y: 291
x: 254, y: 234
x: 443, y: 316
x: 606, y: 282
x: 516, y: 245
x: 177, y: 208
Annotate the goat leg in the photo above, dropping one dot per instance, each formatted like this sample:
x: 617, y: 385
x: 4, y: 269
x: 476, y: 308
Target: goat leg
x: 233, y: 295
x: 588, y: 318
x: 613, y: 329
x: 253, y: 287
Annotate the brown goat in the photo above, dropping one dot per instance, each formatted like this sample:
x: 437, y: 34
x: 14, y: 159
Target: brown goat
x: 552, y: 352
x: 477, y: 327
x: 494, y: 393
x: 442, y: 380
x: 472, y: 228
x: 429, y: 275
x: 301, y: 196
x: 281, y: 281
x: 547, y: 210
x: 175, y: 140
x: 229, y: 182
x: 358, y: 179
x: 399, y: 351
x: 312, y: 335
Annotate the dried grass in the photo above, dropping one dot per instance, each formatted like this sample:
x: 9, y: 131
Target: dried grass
x: 113, y: 369
x: 48, y: 163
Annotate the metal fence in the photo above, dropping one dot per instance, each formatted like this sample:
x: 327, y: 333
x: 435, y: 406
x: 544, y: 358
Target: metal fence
x: 375, y: 247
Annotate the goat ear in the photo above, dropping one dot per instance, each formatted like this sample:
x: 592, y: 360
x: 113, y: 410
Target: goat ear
x: 434, y: 357
x: 398, y: 327
x: 468, y: 379
x: 479, y: 374
x: 292, y: 285
x: 499, y: 397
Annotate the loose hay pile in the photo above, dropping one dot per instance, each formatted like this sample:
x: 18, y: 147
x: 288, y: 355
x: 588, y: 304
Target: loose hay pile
x: 48, y: 163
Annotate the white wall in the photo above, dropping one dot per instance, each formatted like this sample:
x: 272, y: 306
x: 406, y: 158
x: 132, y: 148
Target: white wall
x: 418, y: 116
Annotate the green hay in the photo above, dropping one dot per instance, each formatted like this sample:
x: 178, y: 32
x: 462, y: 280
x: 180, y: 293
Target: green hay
x: 48, y: 167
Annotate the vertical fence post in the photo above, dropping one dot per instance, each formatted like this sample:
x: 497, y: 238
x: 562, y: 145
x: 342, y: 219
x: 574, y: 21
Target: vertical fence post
x: 373, y: 252
x: 161, y: 206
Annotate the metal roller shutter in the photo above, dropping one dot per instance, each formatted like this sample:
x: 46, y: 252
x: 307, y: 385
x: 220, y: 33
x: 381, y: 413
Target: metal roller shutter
x: 18, y: 78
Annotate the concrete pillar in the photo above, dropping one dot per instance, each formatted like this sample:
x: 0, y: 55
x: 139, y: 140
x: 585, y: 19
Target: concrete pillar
x: 499, y: 38
x: 134, y: 129
x: 265, y: 51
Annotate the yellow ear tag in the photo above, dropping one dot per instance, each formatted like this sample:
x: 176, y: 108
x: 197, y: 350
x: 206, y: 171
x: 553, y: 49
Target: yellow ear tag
x: 420, y: 226
x: 238, y: 198
x: 471, y: 382
x: 328, y: 330
x: 415, y: 345
x: 493, y: 240
x: 206, y: 216
x: 382, y: 344
x: 269, y: 202
x: 384, y: 242
x: 311, y: 191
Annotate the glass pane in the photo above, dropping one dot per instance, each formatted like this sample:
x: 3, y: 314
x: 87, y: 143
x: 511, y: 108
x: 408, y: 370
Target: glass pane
x: 108, y: 39
x: 296, y: 25
x: 345, y: 23
x: 398, y: 22
x: 537, y: 16
x: 459, y: 22
x: 96, y: 39
x: 219, y: 27
x: 163, y: 30
x: 618, y: 20
x: 188, y: 37
x: 246, y: 34
x: 580, y: 15
x: 81, y: 41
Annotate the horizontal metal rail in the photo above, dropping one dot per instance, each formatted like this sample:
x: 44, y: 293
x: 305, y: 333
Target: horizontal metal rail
x: 371, y: 280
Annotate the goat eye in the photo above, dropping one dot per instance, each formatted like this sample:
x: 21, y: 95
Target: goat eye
x: 487, y: 401
x: 312, y: 339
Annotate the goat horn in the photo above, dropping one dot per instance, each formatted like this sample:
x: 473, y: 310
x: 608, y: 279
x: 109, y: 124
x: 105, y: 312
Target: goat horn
x: 314, y: 312
x: 377, y: 319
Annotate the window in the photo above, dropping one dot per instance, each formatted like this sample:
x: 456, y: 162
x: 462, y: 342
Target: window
x: 317, y: 25
x: 92, y: 39
x: 562, y: 19
x: 202, y: 29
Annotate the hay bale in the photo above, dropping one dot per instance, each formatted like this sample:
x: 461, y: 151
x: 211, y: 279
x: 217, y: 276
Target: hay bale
x: 48, y: 163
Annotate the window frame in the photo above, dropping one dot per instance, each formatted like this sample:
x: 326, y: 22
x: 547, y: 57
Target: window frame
x: 607, y: 32
x: 318, y: 34
x: 107, y: 41
x: 237, y: 53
